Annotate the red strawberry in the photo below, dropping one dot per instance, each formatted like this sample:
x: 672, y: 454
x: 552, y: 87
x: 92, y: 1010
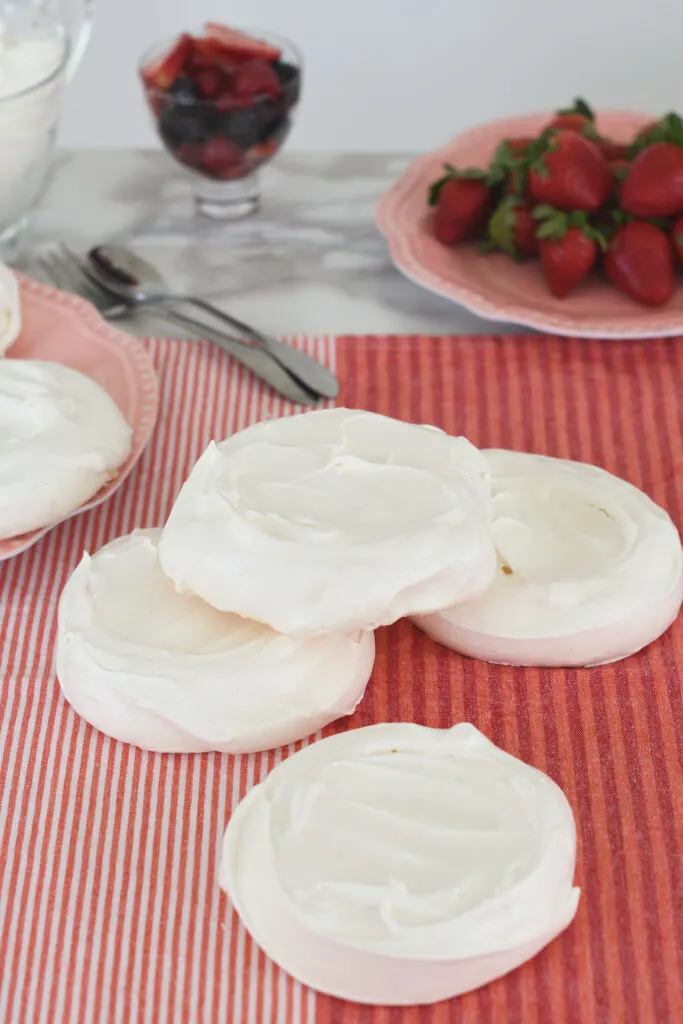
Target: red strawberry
x: 210, y: 82
x: 162, y: 73
x: 207, y: 53
x: 567, y: 246
x: 221, y: 158
x: 619, y: 168
x: 570, y: 123
x: 238, y: 45
x: 508, y: 163
x: 512, y: 229
x: 613, y: 150
x: 518, y: 145
x: 677, y: 238
x: 578, y: 118
x: 668, y: 129
x: 654, y: 184
x: 569, y: 172
x: 255, y: 78
x: 462, y: 200
x: 640, y: 262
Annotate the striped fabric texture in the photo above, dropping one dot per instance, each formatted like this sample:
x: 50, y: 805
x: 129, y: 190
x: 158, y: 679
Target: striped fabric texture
x: 110, y: 912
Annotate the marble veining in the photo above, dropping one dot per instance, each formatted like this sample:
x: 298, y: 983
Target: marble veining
x: 310, y: 261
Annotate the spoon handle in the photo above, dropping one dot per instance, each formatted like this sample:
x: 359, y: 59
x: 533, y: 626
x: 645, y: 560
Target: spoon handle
x: 308, y: 371
x: 256, y: 359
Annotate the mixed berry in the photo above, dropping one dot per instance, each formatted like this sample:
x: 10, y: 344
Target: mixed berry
x: 222, y: 101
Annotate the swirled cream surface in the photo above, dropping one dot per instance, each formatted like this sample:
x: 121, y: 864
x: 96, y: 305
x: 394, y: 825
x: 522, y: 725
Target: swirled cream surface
x: 28, y: 58
x: 61, y: 438
x: 398, y: 843
x: 31, y: 82
x: 337, y: 519
x: 10, y: 308
x: 590, y: 568
x: 168, y: 672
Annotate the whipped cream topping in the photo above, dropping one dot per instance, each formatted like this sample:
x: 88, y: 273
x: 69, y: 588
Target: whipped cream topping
x: 31, y: 81
x: 402, y: 842
x: 590, y: 568
x: 337, y: 519
x: 28, y: 58
x: 168, y: 672
x: 10, y: 308
x: 61, y: 438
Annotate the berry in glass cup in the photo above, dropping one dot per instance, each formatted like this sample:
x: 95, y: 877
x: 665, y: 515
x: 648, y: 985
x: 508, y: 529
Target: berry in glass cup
x: 222, y: 101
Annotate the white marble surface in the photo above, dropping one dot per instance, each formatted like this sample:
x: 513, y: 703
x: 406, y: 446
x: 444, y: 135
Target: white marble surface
x: 310, y: 261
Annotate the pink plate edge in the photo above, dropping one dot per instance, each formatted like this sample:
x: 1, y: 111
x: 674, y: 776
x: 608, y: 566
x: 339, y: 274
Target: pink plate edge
x: 400, y: 242
x: 143, y: 383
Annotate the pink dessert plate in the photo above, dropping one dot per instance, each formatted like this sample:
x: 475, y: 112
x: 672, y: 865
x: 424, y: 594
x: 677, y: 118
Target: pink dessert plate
x: 493, y: 286
x: 61, y: 328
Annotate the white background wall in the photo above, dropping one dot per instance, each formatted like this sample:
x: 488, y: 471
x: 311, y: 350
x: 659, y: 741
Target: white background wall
x: 401, y: 74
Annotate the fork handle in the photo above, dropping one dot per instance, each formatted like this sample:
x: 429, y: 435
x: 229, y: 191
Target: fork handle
x: 308, y: 371
x: 256, y: 359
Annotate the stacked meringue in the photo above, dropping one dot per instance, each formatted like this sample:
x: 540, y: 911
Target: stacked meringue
x: 62, y: 437
x: 393, y: 864
x: 247, y: 622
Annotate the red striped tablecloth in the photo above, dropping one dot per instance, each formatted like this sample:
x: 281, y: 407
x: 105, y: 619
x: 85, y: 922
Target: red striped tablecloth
x: 109, y: 907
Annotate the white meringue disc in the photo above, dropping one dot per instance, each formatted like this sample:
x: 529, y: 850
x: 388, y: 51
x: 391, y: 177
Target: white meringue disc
x: 332, y: 520
x: 10, y: 308
x: 398, y: 864
x: 590, y: 569
x: 62, y: 437
x: 169, y: 673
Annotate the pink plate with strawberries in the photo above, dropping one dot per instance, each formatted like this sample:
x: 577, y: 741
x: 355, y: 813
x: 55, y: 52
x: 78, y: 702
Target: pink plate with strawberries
x: 61, y: 328
x: 492, y: 285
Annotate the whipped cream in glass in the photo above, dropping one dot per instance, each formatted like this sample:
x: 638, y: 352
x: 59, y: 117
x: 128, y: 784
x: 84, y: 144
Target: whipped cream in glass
x: 32, y: 75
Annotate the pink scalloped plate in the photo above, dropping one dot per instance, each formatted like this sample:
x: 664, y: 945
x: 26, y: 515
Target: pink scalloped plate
x: 61, y: 328
x: 493, y: 286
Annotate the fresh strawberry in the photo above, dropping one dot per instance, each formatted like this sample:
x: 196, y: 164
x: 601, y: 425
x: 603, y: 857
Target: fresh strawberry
x: 255, y: 78
x: 567, y: 246
x: 210, y: 82
x: 569, y: 172
x: 162, y: 73
x: 668, y: 129
x: 613, y: 150
x: 238, y: 45
x: 463, y: 200
x: 677, y: 238
x: 519, y: 145
x: 221, y: 157
x: 507, y: 166
x: 653, y: 186
x: 207, y: 53
x: 640, y: 262
x: 619, y: 168
x: 190, y: 154
x: 579, y: 118
x: 512, y: 229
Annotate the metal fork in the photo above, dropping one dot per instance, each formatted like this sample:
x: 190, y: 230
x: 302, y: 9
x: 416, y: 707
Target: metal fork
x: 63, y: 269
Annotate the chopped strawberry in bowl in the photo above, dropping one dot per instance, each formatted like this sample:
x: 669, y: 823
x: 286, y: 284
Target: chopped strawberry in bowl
x: 223, y: 102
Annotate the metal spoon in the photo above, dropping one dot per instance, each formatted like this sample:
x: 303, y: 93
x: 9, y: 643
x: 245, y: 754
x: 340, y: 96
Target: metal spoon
x: 138, y: 282
x: 69, y: 272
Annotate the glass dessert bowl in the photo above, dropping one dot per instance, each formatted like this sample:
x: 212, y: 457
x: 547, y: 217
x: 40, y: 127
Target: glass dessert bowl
x: 223, y: 105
